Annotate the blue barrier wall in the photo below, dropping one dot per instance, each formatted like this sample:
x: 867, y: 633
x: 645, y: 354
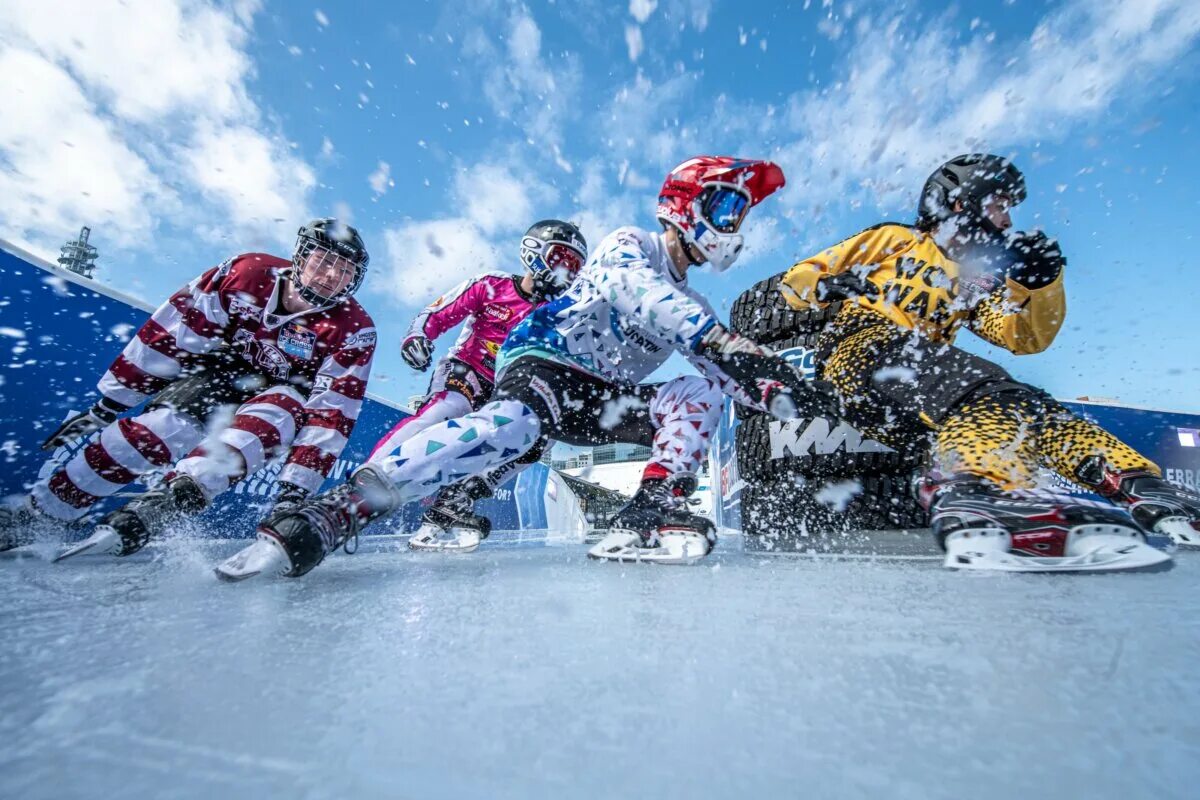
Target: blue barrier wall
x: 1170, y: 439
x: 59, y: 332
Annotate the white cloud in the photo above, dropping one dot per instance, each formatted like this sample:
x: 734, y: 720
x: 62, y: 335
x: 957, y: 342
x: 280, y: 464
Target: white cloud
x: 380, y: 179
x: 497, y: 200
x: 426, y: 258
x: 903, y: 102
x: 152, y: 97
x: 63, y: 164
x: 633, y: 41
x: 538, y: 93
x: 257, y: 182
x: 642, y: 9
x: 496, y: 206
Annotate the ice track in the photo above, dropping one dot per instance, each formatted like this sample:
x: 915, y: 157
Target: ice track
x: 532, y: 672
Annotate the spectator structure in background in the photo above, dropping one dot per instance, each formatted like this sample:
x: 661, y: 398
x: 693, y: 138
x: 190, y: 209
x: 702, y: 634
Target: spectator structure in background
x: 78, y: 256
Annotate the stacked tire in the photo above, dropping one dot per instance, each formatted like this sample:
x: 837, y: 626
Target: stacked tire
x: 815, y: 498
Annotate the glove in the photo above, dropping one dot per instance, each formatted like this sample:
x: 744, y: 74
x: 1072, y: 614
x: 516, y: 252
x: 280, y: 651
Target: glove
x: 1037, y: 260
x: 416, y: 352
x: 845, y: 286
x: 766, y: 377
x: 97, y: 417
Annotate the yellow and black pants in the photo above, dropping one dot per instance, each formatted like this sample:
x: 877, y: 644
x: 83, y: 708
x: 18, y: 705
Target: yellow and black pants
x: 904, y: 391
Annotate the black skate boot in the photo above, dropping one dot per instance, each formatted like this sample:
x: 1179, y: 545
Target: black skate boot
x: 127, y: 530
x: 294, y: 542
x: 1156, y: 505
x: 656, y: 526
x: 982, y: 527
x: 451, y: 524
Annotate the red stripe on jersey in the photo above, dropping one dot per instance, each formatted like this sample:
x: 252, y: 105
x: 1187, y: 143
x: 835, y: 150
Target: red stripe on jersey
x: 330, y: 419
x: 158, y: 339
x: 264, y: 431
x: 65, y: 489
x: 353, y: 388
x: 145, y: 441
x: 316, y: 459
x: 289, y: 404
x: 106, y: 466
x: 193, y: 318
x: 134, y: 377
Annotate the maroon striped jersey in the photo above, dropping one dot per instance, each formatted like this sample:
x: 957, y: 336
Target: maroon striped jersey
x: 325, y: 354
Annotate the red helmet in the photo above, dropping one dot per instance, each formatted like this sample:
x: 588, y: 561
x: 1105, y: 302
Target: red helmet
x: 707, y: 197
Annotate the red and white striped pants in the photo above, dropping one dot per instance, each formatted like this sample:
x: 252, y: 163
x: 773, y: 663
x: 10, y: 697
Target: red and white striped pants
x: 261, y: 429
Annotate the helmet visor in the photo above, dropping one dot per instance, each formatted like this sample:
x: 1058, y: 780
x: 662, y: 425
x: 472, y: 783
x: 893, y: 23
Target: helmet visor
x: 724, y: 207
x: 563, y: 257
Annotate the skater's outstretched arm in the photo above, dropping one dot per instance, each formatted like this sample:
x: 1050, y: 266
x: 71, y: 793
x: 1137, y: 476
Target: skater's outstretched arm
x: 441, y: 315
x: 1024, y: 314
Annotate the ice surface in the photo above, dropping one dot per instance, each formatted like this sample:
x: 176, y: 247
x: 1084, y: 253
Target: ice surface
x: 532, y: 672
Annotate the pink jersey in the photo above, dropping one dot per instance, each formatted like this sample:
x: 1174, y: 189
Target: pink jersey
x: 491, y: 304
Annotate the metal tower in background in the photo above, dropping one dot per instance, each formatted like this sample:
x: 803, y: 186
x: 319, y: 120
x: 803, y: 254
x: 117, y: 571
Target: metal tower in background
x: 78, y: 256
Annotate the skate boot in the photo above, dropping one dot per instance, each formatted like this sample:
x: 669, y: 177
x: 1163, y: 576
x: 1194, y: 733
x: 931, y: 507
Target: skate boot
x: 296, y: 541
x: 656, y: 527
x: 127, y: 530
x: 1156, y: 505
x: 451, y: 525
x: 981, y: 527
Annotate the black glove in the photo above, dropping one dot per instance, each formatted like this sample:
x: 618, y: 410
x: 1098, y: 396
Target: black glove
x: 845, y: 286
x: 98, y: 416
x: 766, y: 377
x: 417, y: 352
x: 1037, y: 260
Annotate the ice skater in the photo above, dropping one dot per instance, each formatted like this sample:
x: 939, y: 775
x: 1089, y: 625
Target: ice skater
x: 492, y: 304
x: 906, y: 291
x: 256, y: 358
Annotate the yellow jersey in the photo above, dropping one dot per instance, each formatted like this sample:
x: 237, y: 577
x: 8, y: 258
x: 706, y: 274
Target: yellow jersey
x: 921, y: 288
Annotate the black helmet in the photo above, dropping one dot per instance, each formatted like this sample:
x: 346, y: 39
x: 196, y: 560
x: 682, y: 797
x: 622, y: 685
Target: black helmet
x: 337, y: 238
x: 553, y: 251
x: 972, y: 179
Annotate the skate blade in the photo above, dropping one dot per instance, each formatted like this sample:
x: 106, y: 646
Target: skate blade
x: 462, y: 541
x: 104, y: 541
x: 680, y: 548
x: 1093, y: 548
x: 264, y: 555
x: 1180, y: 531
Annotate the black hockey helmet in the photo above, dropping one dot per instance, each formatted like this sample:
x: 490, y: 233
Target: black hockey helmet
x: 338, y: 239
x: 553, y: 251
x: 972, y: 179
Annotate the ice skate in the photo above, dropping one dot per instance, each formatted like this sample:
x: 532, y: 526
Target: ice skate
x: 656, y: 527
x: 981, y: 527
x: 450, y: 525
x: 1156, y: 505
x: 127, y: 530
x: 305, y: 535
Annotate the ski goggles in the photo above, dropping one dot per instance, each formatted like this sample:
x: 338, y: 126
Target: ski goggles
x: 724, y: 207
x: 562, y: 256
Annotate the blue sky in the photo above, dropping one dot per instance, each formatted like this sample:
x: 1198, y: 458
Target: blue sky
x: 184, y: 131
